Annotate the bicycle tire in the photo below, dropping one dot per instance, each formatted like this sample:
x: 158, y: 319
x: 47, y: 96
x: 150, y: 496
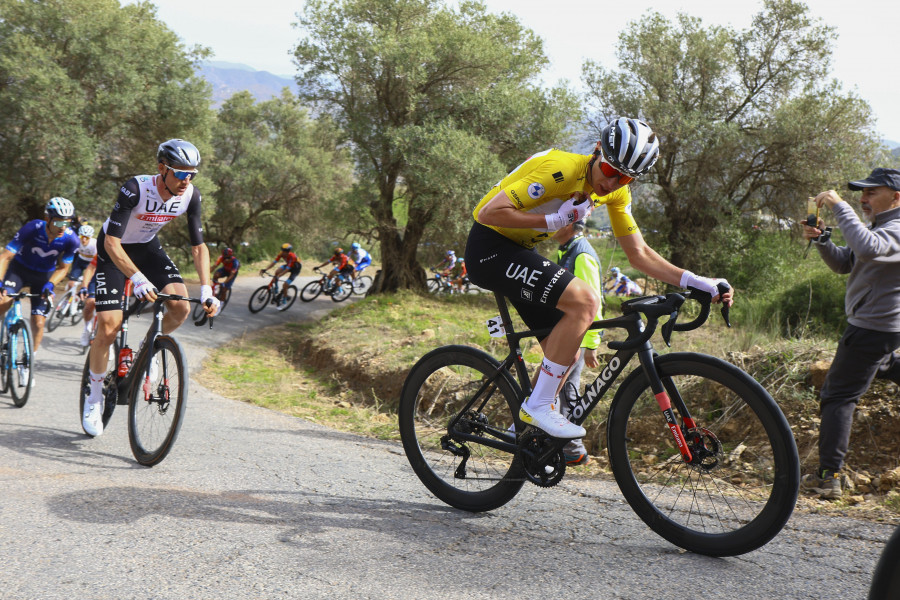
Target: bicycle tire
x: 76, y: 314
x: 4, y: 364
x: 198, y: 312
x: 259, y: 299
x: 20, y: 357
x: 110, y: 379
x: 747, y: 491
x: 311, y: 290
x: 341, y: 291
x: 437, y: 386
x: 434, y: 286
x: 154, y: 415
x: 289, y: 297
x: 361, y: 285
x: 56, y: 315
x: 225, y: 301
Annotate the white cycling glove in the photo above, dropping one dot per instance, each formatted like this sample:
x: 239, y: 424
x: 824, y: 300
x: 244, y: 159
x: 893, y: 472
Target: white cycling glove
x: 568, y: 213
x: 705, y: 284
x: 142, y: 285
x: 206, y: 294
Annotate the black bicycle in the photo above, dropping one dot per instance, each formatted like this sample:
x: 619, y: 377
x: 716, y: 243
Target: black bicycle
x: 339, y: 288
x: 273, y: 293
x: 699, y: 449
x: 154, y: 385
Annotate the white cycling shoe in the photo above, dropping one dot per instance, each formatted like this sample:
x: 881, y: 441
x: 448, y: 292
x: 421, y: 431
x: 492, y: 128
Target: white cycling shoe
x: 92, y: 419
x: 85, y: 337
x: 550, y: 421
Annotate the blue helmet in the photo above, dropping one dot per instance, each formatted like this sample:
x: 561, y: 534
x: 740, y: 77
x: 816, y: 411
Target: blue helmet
x: 614, y: 270
x: 354, y: 246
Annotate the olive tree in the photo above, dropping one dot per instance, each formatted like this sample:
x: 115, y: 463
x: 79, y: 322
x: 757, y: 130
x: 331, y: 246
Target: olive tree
x: 436, y: 103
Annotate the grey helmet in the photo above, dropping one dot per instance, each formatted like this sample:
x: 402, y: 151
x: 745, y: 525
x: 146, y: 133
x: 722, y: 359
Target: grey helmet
x: 630, y: 146
x: 178, y: 153
x: 60, y: 207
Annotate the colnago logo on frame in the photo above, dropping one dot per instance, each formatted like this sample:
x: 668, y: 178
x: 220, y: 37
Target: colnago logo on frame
x: 598, y: 388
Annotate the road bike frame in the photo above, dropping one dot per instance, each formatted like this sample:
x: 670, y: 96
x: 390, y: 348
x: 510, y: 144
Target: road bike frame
x: 637, y: 343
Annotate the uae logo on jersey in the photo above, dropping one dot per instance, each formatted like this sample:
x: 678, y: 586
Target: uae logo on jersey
x: 535, y: 190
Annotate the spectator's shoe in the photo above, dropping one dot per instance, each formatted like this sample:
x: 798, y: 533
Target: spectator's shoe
x: 548, y: 420
x: 575, y: 453
x: 92, y: 419
x: 828, y: 485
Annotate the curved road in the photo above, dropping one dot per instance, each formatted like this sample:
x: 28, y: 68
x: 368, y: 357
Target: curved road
x: 256, y: 504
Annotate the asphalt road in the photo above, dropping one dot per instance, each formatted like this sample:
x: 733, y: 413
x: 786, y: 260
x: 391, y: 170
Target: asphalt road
x: 255, y: 504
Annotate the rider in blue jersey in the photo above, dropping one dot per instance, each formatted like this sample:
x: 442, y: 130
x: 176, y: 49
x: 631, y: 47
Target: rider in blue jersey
x: 360, y: 258
x: 38, y: 257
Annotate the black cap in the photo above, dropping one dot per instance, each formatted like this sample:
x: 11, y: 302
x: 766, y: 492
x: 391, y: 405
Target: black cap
x: 886, y: 177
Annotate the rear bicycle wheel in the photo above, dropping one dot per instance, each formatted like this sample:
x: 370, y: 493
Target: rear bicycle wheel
x: 260, y: 298
x: 288, y: 298
x: 434, y: 286
x: 110, y: 392
x: 361, y: 285
x: 342, y: 290
x: 742, y: 486
x: 311, y: 291
x: 20, y: 372
x: 157, y: 403
x: 464, y: 473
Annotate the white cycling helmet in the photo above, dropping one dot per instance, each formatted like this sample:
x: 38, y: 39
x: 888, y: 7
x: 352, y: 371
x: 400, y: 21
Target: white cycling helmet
x: 630, y: 146
x: 86, y: 231
x: 451, y: 253
x: 60, y: 207
x: 354, y: 246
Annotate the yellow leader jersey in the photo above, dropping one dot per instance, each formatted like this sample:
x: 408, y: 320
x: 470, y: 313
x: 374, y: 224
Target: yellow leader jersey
x: 544, y: 182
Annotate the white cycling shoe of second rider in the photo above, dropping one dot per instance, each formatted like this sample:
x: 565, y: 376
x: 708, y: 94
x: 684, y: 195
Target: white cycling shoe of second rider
x: 92, y: 419
x: 549, y: 420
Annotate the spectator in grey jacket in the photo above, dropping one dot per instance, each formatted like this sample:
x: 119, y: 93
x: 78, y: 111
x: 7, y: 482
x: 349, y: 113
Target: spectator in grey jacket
x: 872, y: 303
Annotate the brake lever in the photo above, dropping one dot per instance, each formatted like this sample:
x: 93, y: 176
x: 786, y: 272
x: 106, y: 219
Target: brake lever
x: 669, y: 327
x: 723, y: 288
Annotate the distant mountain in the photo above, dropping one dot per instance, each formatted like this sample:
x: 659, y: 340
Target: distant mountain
x: 229, y: 78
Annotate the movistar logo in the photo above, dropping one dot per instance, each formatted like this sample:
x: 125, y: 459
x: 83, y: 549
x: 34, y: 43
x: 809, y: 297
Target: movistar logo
x: 43, y: 254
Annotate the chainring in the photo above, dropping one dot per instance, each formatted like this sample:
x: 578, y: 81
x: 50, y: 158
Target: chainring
x: 533, y: 444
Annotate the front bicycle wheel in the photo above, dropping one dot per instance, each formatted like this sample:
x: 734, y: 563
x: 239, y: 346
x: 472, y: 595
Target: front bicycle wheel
x: 455, y: 409
x: 742, y: 485
x: 361, y: 285
x: 260, y: 298
x: 20, y: 371
x: 57, y: 313
x: 227, y: 297
x: 76, y: 309
x: 311, y: 290
x: 4, y: 365
x: 158, y: 403
x: 434, y: 286
x: 198, y: 312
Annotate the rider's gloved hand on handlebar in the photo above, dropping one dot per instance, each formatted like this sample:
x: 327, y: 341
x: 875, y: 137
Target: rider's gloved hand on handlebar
x: 143, y: 289
x: 707, y: 285
x: 47, y: 290
x: 206, y: 294
x: 568, y: 213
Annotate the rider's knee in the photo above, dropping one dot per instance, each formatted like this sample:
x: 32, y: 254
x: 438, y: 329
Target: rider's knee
x: 580, y: 300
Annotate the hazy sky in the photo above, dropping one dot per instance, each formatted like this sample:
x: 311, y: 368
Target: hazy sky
x: 259, y: 33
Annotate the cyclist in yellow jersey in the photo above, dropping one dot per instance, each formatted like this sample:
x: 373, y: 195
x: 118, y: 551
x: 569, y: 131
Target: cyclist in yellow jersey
x: 546, y: 192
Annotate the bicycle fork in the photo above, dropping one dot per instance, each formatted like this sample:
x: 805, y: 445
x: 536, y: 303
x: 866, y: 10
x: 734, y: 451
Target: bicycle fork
x: 664, y: 400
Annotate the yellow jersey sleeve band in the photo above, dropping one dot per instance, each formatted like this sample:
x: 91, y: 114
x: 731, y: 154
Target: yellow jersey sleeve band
x: 544, y: 182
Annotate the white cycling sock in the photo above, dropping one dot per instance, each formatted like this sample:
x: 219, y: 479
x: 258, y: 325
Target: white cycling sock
x: 544, y: 392
x: 96, y: 387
